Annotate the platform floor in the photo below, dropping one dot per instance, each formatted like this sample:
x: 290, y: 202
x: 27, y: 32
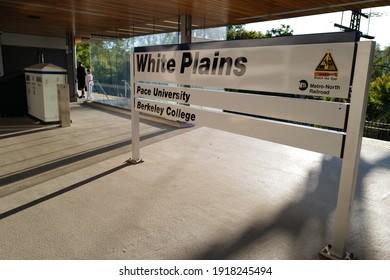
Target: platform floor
x: 67, y: 193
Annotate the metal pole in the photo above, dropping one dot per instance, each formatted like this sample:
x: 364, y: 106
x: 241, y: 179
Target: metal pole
x: 353, y: 141
x: 135, y: 133
x: 124, y: 81
x: 185, y: 29
x: 70, y: 61
x: 63, y: 105
x: 1, y: 60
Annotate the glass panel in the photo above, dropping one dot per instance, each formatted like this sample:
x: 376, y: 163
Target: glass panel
x: 110, y: 62
x: 209, y: 34
x: 110, y: 66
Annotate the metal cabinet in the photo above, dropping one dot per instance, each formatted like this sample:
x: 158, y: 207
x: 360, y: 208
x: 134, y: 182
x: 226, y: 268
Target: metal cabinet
x: 41, y: 87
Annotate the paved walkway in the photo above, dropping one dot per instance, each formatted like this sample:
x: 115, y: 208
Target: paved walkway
x: 66, y: 193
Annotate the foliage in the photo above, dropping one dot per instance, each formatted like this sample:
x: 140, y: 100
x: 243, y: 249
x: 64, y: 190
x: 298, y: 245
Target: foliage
x: 83, y: 54
x: 237, y: 32
x: 378, y: 108
x: 381, y: 65
x: 284, y: 30
x: 110, y: 61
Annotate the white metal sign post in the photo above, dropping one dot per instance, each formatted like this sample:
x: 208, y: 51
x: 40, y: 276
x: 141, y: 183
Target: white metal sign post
x: 353, y: 141
x: 270, y: 89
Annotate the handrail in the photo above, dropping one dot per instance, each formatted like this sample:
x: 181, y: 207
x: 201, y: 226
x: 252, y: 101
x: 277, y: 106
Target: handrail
x: 127, y: 85
x: 104, y: 92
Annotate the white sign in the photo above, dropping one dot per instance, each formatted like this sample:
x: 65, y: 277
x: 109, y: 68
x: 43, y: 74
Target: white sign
x: 314, y: 70
x: 291, y: 72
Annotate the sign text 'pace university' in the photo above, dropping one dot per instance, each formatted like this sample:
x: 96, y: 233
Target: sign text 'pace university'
x: 168, y: 94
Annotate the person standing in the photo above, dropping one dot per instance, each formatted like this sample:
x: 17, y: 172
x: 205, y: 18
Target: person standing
x: 89, y: 84
x: 81, y: 73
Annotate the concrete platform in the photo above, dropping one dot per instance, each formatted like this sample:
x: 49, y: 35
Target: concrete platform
x: 67, y: 193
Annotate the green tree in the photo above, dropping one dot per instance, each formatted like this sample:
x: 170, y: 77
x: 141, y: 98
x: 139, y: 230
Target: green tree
x: 110, y: 61
x: 83, y: 54
x: 378, y: 108
x: 283, y: 30
x: 237, y: 32
x: 381, y: 65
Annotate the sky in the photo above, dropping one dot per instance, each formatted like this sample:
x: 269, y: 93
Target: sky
x: 378, y: 25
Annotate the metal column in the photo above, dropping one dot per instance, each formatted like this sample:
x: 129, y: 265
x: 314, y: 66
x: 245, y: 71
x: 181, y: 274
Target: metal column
x: 185, y: 29
x: 70, y: 61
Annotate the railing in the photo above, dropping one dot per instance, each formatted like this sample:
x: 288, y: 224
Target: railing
x: 99, y: 86
x: 112, y: 94
x: 127, y: 86
x: 377, y: 130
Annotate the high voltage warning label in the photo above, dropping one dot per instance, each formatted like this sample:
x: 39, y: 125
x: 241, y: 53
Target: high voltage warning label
x: 326, y: 68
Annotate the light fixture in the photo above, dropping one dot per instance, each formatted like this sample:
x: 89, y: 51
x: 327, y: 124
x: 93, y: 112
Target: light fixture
x: 163, y: 26
x: 142, y: 28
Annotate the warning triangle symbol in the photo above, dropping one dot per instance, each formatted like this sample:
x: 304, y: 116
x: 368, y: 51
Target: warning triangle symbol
x: 327, y: 63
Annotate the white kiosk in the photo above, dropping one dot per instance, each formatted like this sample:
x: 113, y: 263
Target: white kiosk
x: 41, y: 87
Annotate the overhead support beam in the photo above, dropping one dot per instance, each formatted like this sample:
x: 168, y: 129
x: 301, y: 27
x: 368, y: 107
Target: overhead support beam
x: 185, y: 29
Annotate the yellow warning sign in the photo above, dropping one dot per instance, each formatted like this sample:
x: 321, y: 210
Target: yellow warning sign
x: 326, y: 67
x: 327, y: 63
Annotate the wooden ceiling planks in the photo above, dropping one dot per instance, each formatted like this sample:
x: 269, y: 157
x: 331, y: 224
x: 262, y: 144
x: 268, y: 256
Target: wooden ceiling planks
x: 126, y: 18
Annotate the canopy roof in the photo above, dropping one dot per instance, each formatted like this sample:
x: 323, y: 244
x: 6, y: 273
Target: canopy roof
x: 127, y: 18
